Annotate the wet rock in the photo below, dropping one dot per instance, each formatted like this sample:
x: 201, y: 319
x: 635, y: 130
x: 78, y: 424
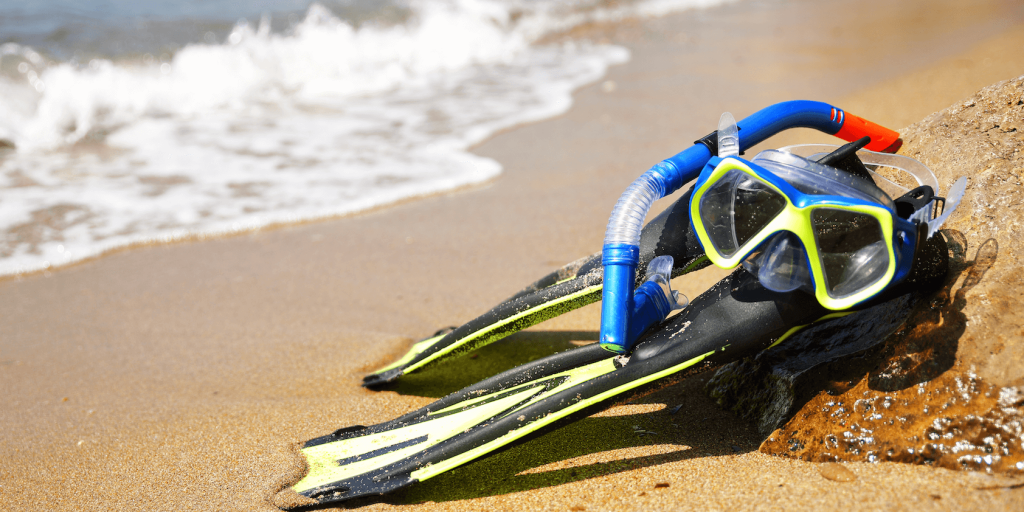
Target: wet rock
x: 937, y: 376
x: 955, y: 421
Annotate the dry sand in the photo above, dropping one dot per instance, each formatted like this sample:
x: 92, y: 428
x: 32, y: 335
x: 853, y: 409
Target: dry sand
x: 176, y: 377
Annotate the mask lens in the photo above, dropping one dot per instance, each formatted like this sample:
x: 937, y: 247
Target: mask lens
x: 736, y: 208
x: 852, y: 251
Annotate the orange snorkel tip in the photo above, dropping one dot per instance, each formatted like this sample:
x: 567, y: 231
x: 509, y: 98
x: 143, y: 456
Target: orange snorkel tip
x: 882, y: 139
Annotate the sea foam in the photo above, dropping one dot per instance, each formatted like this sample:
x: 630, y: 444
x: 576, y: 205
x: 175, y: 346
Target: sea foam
x: 323, y: 119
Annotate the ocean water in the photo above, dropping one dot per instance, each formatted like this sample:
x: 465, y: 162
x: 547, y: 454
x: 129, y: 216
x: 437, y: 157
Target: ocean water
x: 126, y: 122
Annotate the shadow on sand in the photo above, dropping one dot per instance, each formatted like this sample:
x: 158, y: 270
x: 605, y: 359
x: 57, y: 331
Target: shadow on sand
x: 673, y: 424
x: 449, y: 376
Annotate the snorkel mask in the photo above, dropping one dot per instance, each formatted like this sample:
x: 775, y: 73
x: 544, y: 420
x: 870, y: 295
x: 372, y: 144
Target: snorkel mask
x: 818, y: 223
x: 805, y: 217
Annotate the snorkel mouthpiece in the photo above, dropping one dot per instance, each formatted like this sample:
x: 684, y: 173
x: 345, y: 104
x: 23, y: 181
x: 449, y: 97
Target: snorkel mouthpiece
x: 782, y: 265
x: 654, y: 299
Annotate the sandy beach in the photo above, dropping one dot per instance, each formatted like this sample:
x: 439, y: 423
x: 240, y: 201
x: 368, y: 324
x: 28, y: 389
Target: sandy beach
x: 180, y: 376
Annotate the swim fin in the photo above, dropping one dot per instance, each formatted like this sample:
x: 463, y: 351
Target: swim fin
x: 573, y: 286
x: 733, y: 319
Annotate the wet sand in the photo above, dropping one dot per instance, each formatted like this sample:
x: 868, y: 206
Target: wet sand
x: 177, y: 377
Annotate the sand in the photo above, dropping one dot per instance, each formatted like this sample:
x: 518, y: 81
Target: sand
x: 178, y: 377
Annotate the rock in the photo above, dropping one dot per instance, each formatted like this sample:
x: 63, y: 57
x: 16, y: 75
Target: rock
x: 981, y: 138
x: 934, y: 377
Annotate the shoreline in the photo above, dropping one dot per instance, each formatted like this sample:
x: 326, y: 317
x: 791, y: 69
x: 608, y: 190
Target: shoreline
x: 192, y: 238
x: 176, y: 376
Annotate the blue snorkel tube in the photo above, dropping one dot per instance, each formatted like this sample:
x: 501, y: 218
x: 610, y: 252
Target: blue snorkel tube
x: 621, y: 251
